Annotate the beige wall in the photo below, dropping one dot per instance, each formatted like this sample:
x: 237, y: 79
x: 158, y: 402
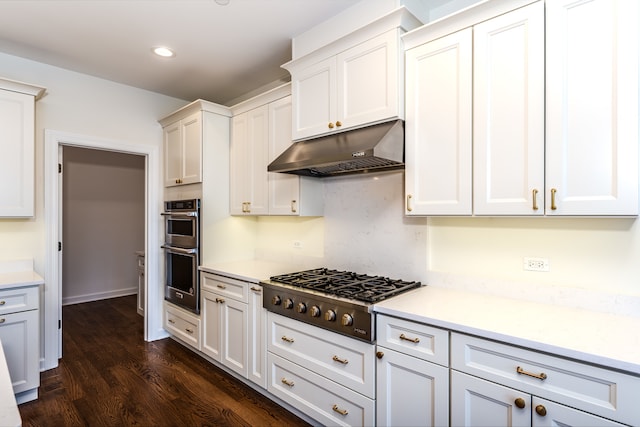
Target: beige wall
x: 103, y: 202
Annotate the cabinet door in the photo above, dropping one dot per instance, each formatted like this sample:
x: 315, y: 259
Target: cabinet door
x: 314, y: 89
x: 508, y: 133
x: 17, y: 159
x: 592, y: 107
x: 248, y: 157
x: 367, y: 84
x: 257, y: 369
x: 235, y: 323
x: 438, y: 160
x: 20, y: 341
x: 284, y: 189
x: 212, y: 325
x: 410, y: 391
x: 550, y: 414
x: 172, y: 154
x: 191, y: 149
x: 476, y: 402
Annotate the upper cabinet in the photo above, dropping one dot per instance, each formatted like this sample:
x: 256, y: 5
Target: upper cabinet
x: 352, y: 82
x: 184, y: 132
x: 261, y: 131
x: 17, y: 109
x: 477, y: 109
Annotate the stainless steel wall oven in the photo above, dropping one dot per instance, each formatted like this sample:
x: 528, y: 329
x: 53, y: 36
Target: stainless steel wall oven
x: 182, y: 253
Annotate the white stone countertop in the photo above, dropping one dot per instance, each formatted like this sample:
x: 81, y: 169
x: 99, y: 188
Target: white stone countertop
x: 15, y: 279
x: 251, y: 270
x: 9, y: 413
x: 595, y: 337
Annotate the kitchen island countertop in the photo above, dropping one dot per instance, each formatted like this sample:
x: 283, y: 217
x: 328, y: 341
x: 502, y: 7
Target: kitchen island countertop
x: 595, y: 337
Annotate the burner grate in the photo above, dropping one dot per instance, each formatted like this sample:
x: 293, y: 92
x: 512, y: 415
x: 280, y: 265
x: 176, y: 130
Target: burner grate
x: 346, y: 284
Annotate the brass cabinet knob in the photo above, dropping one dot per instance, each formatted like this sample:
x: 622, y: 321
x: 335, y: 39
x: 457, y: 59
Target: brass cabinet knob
x: 379, y: 354
x: 541, y: 410
x: 330, y: 125
x: 338, y: 123
x: 520, y: 403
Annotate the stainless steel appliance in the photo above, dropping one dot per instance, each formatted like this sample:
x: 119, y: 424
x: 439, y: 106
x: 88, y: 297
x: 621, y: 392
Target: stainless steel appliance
x: 340, y: 301
x: 182, y: 253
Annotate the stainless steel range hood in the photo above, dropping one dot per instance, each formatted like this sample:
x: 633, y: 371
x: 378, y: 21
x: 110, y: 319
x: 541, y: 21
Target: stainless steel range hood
x: 374, y: 148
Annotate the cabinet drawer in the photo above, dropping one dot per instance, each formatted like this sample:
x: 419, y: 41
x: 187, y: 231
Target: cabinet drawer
x: 183, y: 325
x: 600, y: 391
x: 415, y: 339
x: 344, y: 360
x: 322, y: 399
x: 225, y: 286
x: 19, y: 299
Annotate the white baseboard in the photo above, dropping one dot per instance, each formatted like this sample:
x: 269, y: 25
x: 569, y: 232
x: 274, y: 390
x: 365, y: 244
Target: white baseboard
x: 77, y: 299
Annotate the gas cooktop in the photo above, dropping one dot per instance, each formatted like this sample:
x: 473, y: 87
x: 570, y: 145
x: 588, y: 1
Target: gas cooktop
x: 346, y: 284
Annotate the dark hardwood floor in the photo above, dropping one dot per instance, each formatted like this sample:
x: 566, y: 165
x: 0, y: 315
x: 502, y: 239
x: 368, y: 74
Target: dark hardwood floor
x: 109, y: 376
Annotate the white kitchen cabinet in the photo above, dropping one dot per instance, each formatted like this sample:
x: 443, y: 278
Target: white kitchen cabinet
x: 592, y: 107
x: 489, y: 378
x: 257, y: 334
x: 184, y: 131
x: 141, y: 283
x: 261, y: 131
x: 508, y: 113
x: 412, y: 373
x: 438, y: 133
x: 17, y: 109
x: 182, y: 324
x: 20, y: 338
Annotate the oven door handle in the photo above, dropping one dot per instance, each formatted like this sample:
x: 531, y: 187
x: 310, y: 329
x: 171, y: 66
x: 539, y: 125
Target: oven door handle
x: 180, y: 215
x: 184, y: 251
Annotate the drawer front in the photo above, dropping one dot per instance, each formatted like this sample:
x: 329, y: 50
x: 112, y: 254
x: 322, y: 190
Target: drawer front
x: 415, y: 339
x: 344, y: 360
x: 225, y: 286
x: 15, y: 300
x: 589, y: 388
x: 323, y: 400
x: 182, y: 325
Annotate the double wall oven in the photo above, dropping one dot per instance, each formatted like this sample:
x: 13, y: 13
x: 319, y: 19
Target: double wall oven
x: 182, y: 253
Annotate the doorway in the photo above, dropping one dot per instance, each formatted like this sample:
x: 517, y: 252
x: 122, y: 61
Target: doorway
x: 52, y: 296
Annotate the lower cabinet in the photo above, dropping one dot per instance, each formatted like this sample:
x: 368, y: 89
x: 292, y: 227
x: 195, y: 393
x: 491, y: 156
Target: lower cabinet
x: 182, y: 324
x: 412, y: 388
x: 20, y: 339
x: 233, y: 326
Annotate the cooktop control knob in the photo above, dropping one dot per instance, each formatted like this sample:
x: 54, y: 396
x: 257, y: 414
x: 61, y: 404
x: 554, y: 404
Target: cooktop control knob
x: 330, y: 316
x: 276, y: 300
x: 314, y: 311
x: 347, y: 319
x: 301, y: 308
x: 288, y: 303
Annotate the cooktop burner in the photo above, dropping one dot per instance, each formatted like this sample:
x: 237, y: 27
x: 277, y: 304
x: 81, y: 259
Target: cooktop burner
x: 346, y: 284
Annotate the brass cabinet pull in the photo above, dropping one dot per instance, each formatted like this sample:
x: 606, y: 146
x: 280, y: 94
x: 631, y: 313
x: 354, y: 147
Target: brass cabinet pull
x: 178, y: 181
x: 337, y: 359
x: 338, y: 123
x: 541, y: 410
x: 287, y: 382
x: 189, y: 330
x: 3, y: 302
x: 221, y: 286
x: 287, y: 339
x: 171, y: 321
x: 553, y: 199
x: 255, y: 289
x: 330, y: 125
x: 541, y: 376
x: 520, y: 403
x: 294, y: 206
x: 405, y: 338
x: 409, y: 197
x: 2, y: 320
x: 220, y: 300
x: 340, y: 411
x: 535, y: 199
x: 380, y: 355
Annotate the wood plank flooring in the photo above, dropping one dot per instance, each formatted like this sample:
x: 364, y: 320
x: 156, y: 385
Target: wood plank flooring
x: 109, y: 376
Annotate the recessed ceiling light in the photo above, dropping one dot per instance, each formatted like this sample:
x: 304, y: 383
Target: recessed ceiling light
x: 165, y: 52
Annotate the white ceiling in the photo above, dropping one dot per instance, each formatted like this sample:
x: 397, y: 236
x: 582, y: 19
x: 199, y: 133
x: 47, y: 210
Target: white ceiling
x: 223, y: 52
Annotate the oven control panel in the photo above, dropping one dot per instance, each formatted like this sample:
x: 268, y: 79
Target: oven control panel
x: 334, y: 314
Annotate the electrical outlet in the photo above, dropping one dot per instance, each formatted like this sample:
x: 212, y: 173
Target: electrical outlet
x: 536, y: 264
x: 297, y: 244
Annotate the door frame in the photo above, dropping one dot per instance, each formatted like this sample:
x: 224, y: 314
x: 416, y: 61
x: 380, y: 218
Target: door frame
x: 52, y: 296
